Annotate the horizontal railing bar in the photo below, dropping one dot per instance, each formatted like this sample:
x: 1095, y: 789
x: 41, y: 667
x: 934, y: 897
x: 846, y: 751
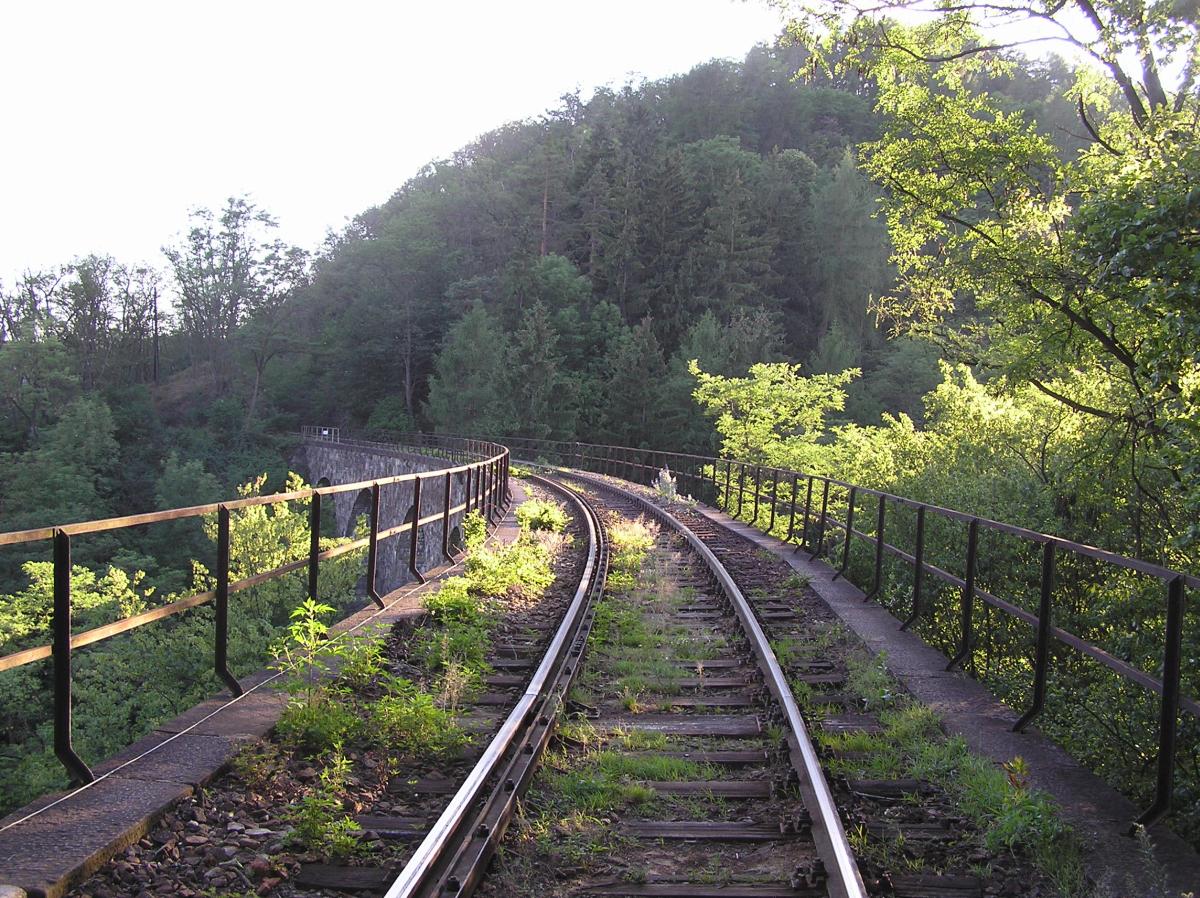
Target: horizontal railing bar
x: 16, y: 537
x: 88, y: 637
x: 1082, y: 549
x: 1028, y: 617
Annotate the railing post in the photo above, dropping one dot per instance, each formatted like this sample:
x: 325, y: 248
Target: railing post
x: 879, y: 522
x: 968, y: 596
x: 757, y: 488
x: 741, y: 489
x: 413, y: 534
x: 446, y: 520
x: 222, y: 603
x: 490, y: 503
x: 1042, y: 652
x: 774, y: 498
x: 918, y: 569
x: 373, y: 547
x: 1168, y: 722
x: 849, y: 532
x: 61, y: 652
x: 824, y: 520
x: 314, y: 544
x: 792, y: 514
x: 728, y: 474
x: 807, y: 514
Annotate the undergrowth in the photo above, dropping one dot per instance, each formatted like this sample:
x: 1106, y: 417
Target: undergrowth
x: 1009, y: 813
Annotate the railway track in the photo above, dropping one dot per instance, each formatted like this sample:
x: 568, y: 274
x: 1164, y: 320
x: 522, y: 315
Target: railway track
x: 704, y: 783
x: 656, y: 731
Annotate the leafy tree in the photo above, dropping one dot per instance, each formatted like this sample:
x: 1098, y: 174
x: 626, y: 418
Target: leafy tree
x: 540, y: 398
x: 227, y: 273
x: 1063, y: 270
x: 848, y: 251
x: 469, y: 389
x: 774, y: 415
x: 67, y: 477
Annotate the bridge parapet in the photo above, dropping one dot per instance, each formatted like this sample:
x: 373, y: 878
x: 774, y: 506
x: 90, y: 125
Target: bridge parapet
x: 439, y: 481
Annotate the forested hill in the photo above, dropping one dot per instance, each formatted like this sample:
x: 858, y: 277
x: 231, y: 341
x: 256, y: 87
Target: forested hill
x: 595, y: 243
x: 553, y: 278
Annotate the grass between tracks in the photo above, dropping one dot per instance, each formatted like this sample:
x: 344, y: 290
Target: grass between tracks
x: 590, y: 776
x: 1011, y: 816
x: 365, y: 705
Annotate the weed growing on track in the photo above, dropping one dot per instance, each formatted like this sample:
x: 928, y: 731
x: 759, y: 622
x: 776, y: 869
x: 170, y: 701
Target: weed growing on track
x: 408, y: 720
x: 541, y: 514
x: 1010, y: 814
x: 319, y: 820
x: 463, y: 610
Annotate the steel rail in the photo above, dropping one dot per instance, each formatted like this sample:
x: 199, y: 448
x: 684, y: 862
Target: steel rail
x: 845, y: 878
x: 448, y: 833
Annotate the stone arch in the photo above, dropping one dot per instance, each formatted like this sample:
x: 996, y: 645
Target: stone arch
x: 329, y: 526
x: 361, y: 506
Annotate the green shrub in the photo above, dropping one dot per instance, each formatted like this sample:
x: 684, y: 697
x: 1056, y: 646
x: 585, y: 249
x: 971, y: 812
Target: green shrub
x: 455, y: 604
x: 523, y: 566
x: 539, y: 514
x: 319, y: 820
x: 474, y: 529
x: 317, y: 724
x: 408, y: 721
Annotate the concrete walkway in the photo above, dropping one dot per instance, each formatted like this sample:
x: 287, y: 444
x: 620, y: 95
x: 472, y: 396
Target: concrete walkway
x: 1099, y: 813
x: 57, y: 841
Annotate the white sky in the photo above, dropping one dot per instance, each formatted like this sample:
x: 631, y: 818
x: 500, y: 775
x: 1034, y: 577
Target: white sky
x: 118, y: 117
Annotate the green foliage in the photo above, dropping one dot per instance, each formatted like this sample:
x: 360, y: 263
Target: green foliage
x: 1011, y: 815
x: 390, y: 419
x: 474, y: 528
x: 320, y: 823
x: 408, y: 721
x: 318, y: 723
x: 774, y: 415
x: 113, y: 707
x: 522, y: 566
x: 471, y: 379
x: 304, y: 655
x: 631, y: 541
x: 542, y: 514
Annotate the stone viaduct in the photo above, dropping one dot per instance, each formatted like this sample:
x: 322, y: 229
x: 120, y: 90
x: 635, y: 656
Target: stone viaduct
x: 327, y: 463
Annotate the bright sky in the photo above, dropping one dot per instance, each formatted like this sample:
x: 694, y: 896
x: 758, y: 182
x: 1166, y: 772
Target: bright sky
x: 119, y: 116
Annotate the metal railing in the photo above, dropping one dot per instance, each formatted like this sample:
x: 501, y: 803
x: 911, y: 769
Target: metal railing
x: 766, y: 495
x: 485, y: 464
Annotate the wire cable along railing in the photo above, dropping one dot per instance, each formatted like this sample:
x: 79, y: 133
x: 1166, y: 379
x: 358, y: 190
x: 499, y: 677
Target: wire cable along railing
x: 485, y: 466
x: 767, y: 496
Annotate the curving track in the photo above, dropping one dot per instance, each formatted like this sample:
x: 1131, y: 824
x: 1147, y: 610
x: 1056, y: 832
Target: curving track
x: 797, y: 853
